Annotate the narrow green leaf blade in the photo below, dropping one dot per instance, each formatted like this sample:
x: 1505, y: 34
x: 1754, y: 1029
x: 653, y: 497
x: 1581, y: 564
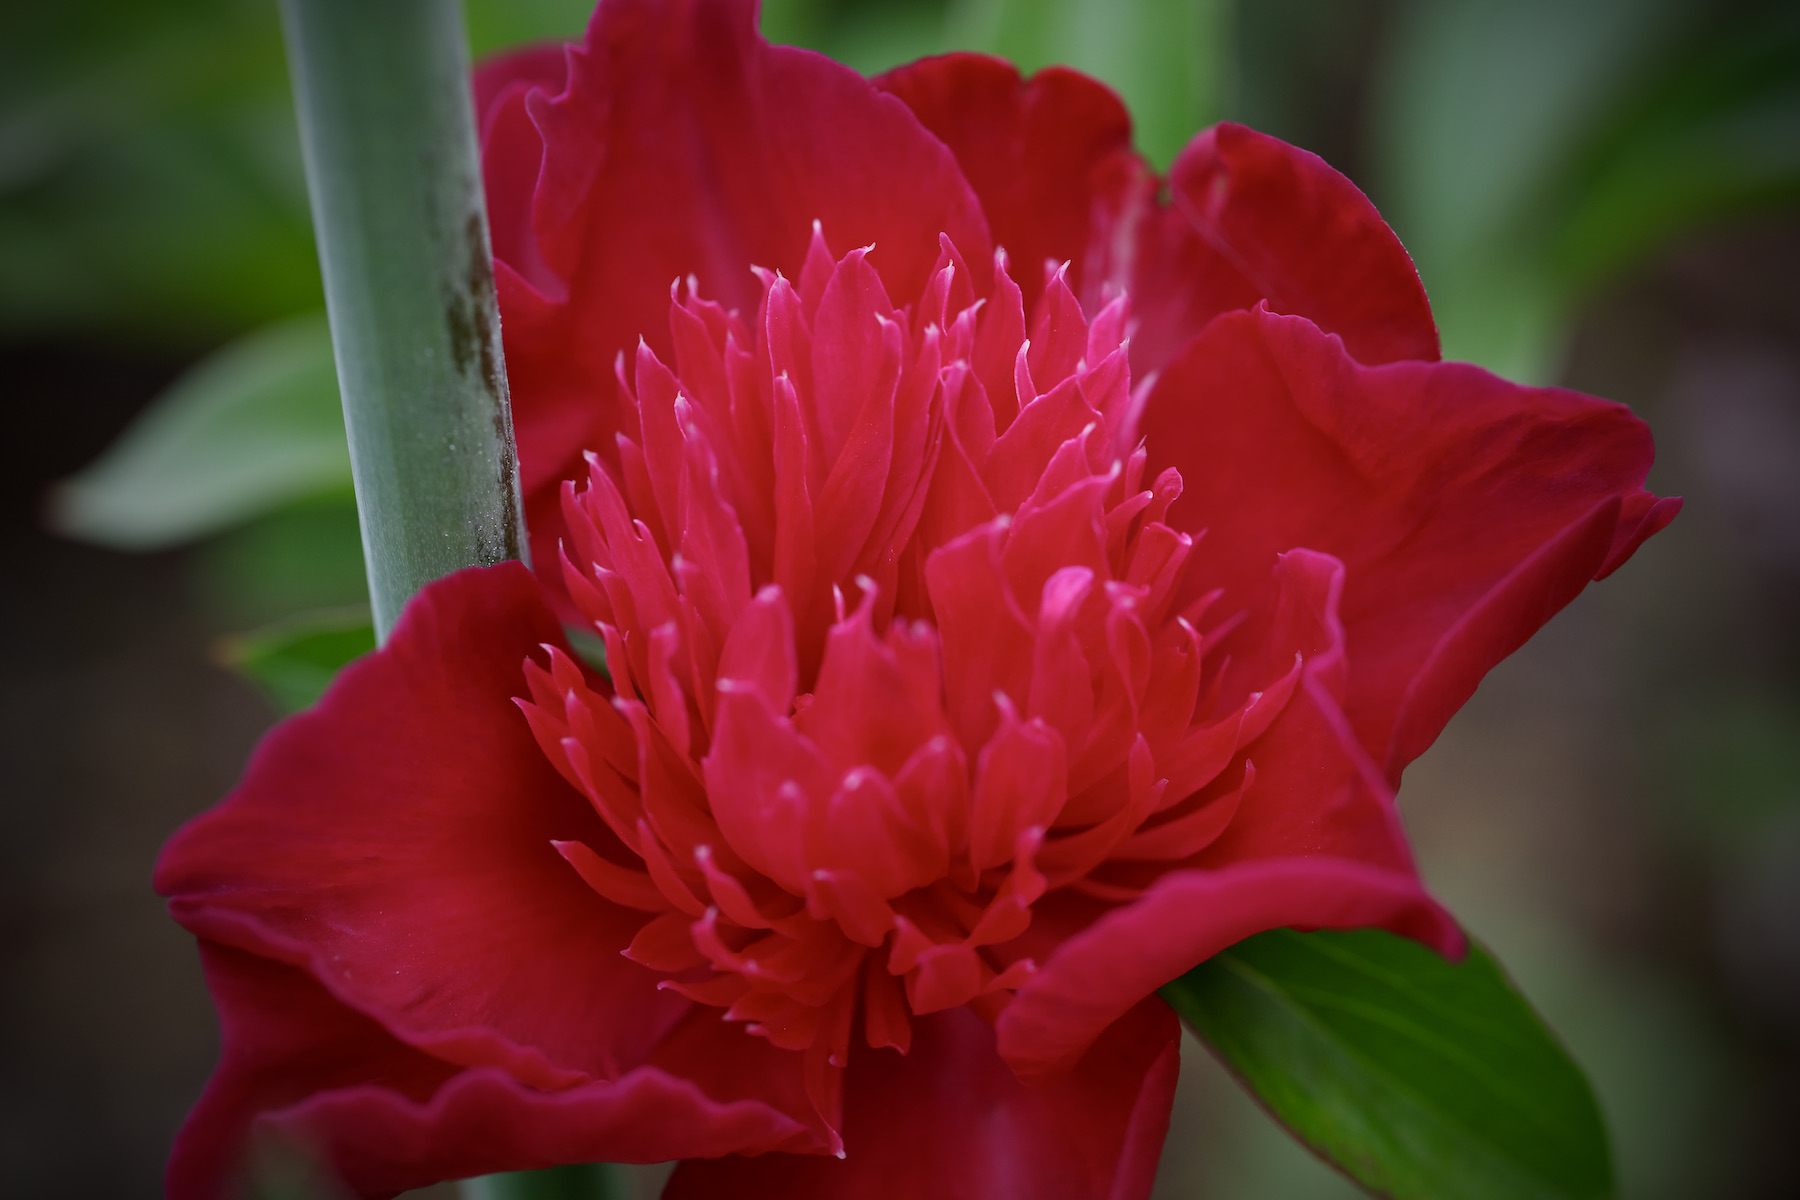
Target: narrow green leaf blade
x: 252, y: 428
x: 1420, y: 1078
x: 294, y: 661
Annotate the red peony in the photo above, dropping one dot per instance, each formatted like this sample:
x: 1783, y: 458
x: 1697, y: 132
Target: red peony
x: 992, y: 635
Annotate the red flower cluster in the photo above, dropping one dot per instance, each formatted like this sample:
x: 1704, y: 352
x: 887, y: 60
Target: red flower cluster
x: 991, y: 637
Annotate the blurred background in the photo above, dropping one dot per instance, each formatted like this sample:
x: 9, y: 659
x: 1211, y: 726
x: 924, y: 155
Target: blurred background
x: 1604, y: 194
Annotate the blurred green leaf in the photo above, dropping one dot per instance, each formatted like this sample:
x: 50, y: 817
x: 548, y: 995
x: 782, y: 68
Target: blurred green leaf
x: 294, y: 661
x: 588, y: 646
x: 1717, y: 134
x: 150, y: 180
x: 305, y: 556
x: 582, y: 1181
x: 1420, y: 1078
x: 253, y: 427
x: 149, y: 173
x: 1480, y: 111
x: 498, y: 24
x: 1530, y: 150
x: 868, y: 35
x: 1169, y: 59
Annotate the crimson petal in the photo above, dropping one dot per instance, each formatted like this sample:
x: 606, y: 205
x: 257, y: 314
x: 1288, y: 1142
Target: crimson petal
x: 1184, y: 919
x: 1314, y: 843
x: 512, y: 151
x: 1251, y: 218
x: 1042, y: 153
x: 684, y: 144
x: 396, y: 842
x: 950, y: 1121
x: 1466, y: 510
x: 1247, y: 218
x: 388, y: 1118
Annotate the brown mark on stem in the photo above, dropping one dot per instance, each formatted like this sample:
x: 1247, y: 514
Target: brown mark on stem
x: 474, y: 338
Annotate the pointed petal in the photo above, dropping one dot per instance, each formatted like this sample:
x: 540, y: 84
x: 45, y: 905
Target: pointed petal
x: 686, y: 144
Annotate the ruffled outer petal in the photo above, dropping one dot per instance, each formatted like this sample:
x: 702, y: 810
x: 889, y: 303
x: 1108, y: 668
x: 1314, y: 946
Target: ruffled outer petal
x: 685, y: 144
x: 1185, y: 919
x: 949, y: 1121
x: 1315, y: 844
x: 396, y: 842
x: 512, y: 151
x: 387, y: 860
x: 1251, y: 218
x: 1247, y: 218
x: 1046, y: 155
x: 542, y: 66
x: 388, y: 1117
x: 1466, y: 510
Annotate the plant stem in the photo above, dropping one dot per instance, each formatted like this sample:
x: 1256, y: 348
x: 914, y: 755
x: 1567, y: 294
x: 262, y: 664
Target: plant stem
x: 393, y: 172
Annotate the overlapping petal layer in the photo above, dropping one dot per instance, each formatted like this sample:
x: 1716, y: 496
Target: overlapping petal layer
x: 1466, y: 510
x: 1245, y: 219
x: 949, y: 1121
x: 674, y: 143
x: 828, y: 802
x: 957, y: 694
x: 393, y: 937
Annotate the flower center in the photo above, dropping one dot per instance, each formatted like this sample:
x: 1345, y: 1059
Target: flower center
x: 891, y: 627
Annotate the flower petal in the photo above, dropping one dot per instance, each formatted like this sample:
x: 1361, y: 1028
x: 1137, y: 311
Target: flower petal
x: 1251, y: 218
x: 396, y: 842
x: 684, y: 144
x: 949, y: 1121
x: 1248, y: 218
x: 1184, y: 919
x: 1466, y: 510
x: 1042, y: 153
x: 512, y: 152
x: 387, y: 1117
x: 1313, y: 843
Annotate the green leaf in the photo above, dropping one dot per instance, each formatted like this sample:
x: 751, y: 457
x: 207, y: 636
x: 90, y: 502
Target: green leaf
x: 1420, y: 1078
x: 252, y: 428
x: 294, y: 661
x: 1479, y: 111
x: 581, y: 1181
x: 588, y: 646
x: 297, y: 559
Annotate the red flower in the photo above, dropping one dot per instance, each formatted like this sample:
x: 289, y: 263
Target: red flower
x: 968, y: 680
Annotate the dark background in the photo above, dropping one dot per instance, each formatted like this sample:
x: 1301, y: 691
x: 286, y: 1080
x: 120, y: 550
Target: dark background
x: 1609, y: 204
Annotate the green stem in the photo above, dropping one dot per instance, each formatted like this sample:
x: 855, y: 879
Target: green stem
x: 394, y: 176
